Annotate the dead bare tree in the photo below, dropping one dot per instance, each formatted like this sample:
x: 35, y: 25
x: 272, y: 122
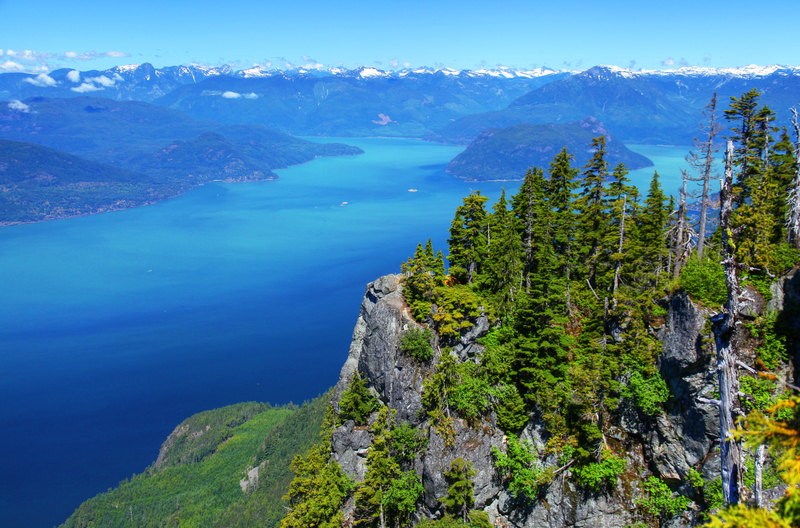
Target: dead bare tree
x: 793, y: 201
x: 703, y: 164
x: 725, y: 325
x: 619, y: 251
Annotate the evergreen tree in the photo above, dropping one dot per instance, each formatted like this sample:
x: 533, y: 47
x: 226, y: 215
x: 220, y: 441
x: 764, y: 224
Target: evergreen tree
x: 562, y: 210
x: 503, y: 265
x: 591, y: 213
x: 459, y: 498
x: 357, y: 402
x: 318, y: 490
x: 650, y: 253
x: 468, y: 237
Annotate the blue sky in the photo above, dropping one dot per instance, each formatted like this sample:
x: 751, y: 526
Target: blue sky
x: 39, y: 35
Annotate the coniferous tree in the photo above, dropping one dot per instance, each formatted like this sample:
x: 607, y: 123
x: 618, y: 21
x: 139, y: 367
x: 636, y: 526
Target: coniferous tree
x: 468, y: 237
x: 592, y: 217
x: 459, y: 498
x: 503, y: 266
x: 743, y: 113
x: 562, y: 209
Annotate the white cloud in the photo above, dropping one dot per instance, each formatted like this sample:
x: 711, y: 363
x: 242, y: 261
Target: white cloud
x: 406, y: 65
x: 41, y: 80
x: 394, y: 62
x: 231, y: 95
x: 669, y: 61
x: 684, y: 62
x: 251, y: 96
x: 306, y: 58
x: 19, y: 106
x: 74, y: 76
x: 90, y: 55
x: 87, y: 87
x: 28, y: 55
x: 102, y: 80
x: 117, y: 77
x: 11, y: 66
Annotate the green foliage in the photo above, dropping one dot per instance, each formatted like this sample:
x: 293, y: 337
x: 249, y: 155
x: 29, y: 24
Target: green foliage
x: 598, y: 474
x: 318, y: 490
x: 357, y: 402
x: 772, y: 350
x: 649, y: 393
x: 512, y: 413
x: 459, y: 495
x: 406, y: 442
x: 417, y: 343
x: 696, y: 478
x: 659, y: 501
x: 477, y: 519
x: 456, y: 306
x: 402, y: 496
x: 436, y: 391
x: 704, y: 281
x: 521, y: 468
x: 470, y: 397
x: 197, y: 484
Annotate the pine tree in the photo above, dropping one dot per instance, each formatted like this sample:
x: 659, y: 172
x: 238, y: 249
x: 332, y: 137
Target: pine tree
x: 459, y: 498
x: 468, y: 238
x: 316, y: 493
x: 742, y: 113
x: 592, y: 217
x: 562, y: 209
x: 503, y: 267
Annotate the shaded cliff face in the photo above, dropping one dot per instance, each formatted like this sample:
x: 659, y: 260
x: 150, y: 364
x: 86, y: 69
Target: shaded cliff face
x: 682, y: 438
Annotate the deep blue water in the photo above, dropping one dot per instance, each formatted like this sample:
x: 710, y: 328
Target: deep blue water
x: 116, y: 327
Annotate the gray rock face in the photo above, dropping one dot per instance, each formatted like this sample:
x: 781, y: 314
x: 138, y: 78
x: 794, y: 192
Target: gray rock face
x: 349, y: 446
x: 472, y: 444
x: 667, y: 445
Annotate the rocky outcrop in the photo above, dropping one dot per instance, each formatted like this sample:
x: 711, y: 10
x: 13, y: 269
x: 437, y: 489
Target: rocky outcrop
x: 670, y: 445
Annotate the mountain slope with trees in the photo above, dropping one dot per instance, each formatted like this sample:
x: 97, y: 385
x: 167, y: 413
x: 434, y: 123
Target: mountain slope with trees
x: 506, y: 154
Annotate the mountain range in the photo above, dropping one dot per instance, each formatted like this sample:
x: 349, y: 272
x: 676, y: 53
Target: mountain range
x: 639, y: 106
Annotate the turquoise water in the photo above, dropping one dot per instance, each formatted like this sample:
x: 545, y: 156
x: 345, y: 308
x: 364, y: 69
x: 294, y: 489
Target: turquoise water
x: 115, y: 327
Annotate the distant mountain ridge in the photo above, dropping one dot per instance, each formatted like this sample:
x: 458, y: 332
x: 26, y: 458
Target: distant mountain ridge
x: 452, y: 106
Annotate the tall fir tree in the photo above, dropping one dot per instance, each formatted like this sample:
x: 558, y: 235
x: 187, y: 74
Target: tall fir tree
x: 592, y: 215
x: 468, y: 237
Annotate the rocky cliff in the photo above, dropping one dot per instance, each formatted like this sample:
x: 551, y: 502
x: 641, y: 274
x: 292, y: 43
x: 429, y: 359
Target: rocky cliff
x: 681, y: 439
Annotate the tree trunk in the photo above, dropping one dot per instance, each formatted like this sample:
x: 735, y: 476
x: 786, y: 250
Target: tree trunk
x: 619, y: 251
x: 678, y: 248
x: 709, y: 148
x: 725, y: 325
x: 758, y: 470
x: 793, y: 202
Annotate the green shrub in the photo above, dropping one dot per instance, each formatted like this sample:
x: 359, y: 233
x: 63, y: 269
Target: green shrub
x: 704, y: 281
x: 357, y: 402
x: 520, y: 465
x: 659, y: 501
x: 512, y: 413
x: 649, y: 393
x: 597, y: 474
x: 470, y: 397
x: 417, y: 343
x: 406, y: 442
